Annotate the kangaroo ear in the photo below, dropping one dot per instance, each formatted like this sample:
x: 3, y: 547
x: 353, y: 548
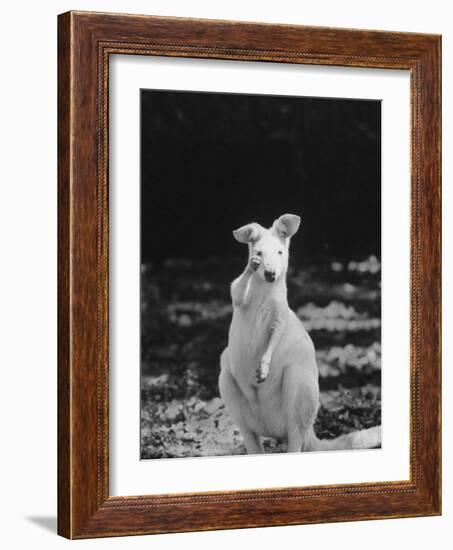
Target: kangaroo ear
x: 285, y: 226
x: 248, y: 233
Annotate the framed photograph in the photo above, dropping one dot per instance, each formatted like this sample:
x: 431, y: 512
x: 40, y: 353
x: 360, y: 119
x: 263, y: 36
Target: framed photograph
x: 249, y: 275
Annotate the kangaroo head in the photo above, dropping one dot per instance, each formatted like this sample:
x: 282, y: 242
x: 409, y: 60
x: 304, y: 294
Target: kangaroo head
x: 270, y: 245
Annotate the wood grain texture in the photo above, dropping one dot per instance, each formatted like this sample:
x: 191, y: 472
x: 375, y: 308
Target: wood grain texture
x: 64, y: 368
x: 86, y: 40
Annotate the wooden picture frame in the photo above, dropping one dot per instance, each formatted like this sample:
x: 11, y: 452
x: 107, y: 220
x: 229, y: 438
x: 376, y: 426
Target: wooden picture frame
x: 85, y: 42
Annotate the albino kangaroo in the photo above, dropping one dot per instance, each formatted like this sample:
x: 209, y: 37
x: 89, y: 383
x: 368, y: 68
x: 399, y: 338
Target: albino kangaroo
x: 269, y: 377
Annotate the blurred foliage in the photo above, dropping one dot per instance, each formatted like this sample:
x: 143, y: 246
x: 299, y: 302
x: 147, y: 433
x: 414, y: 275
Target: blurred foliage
x: 209, y: 160
x: 186, y: 312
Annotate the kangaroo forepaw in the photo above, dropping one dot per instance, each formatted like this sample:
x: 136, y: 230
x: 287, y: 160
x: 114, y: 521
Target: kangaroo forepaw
x: 255, y: 262
x: 262, y: 371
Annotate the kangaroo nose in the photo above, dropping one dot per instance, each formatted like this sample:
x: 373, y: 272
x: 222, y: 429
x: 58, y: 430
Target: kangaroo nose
x: 269, y: 276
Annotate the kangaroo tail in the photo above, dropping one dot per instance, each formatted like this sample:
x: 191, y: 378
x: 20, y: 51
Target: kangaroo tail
x: 362, y: 439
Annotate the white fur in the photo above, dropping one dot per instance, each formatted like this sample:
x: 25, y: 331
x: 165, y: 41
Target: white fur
x: 269, y: 377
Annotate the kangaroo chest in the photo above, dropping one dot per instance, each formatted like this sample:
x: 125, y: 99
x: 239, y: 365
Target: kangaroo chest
x: 249, y: 336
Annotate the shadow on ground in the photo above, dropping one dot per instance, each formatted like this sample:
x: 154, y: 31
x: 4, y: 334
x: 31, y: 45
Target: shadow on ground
x: 49, y: 523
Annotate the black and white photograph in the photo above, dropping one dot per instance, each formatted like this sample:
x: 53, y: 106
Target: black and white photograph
x: 260, y: 274
x: 227, y: 284
x: 226, y: 275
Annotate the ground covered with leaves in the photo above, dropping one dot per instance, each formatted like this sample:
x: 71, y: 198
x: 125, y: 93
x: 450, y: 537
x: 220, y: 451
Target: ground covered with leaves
x: 186, y: 311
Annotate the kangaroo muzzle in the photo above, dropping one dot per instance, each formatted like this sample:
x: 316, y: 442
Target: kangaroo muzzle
x: 269, y: 276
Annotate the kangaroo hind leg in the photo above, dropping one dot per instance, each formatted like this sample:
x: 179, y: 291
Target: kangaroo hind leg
x: 300, y: 402
x: 234, y: 401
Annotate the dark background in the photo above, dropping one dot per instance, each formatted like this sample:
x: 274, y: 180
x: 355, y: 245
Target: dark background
x: 212, y: 162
